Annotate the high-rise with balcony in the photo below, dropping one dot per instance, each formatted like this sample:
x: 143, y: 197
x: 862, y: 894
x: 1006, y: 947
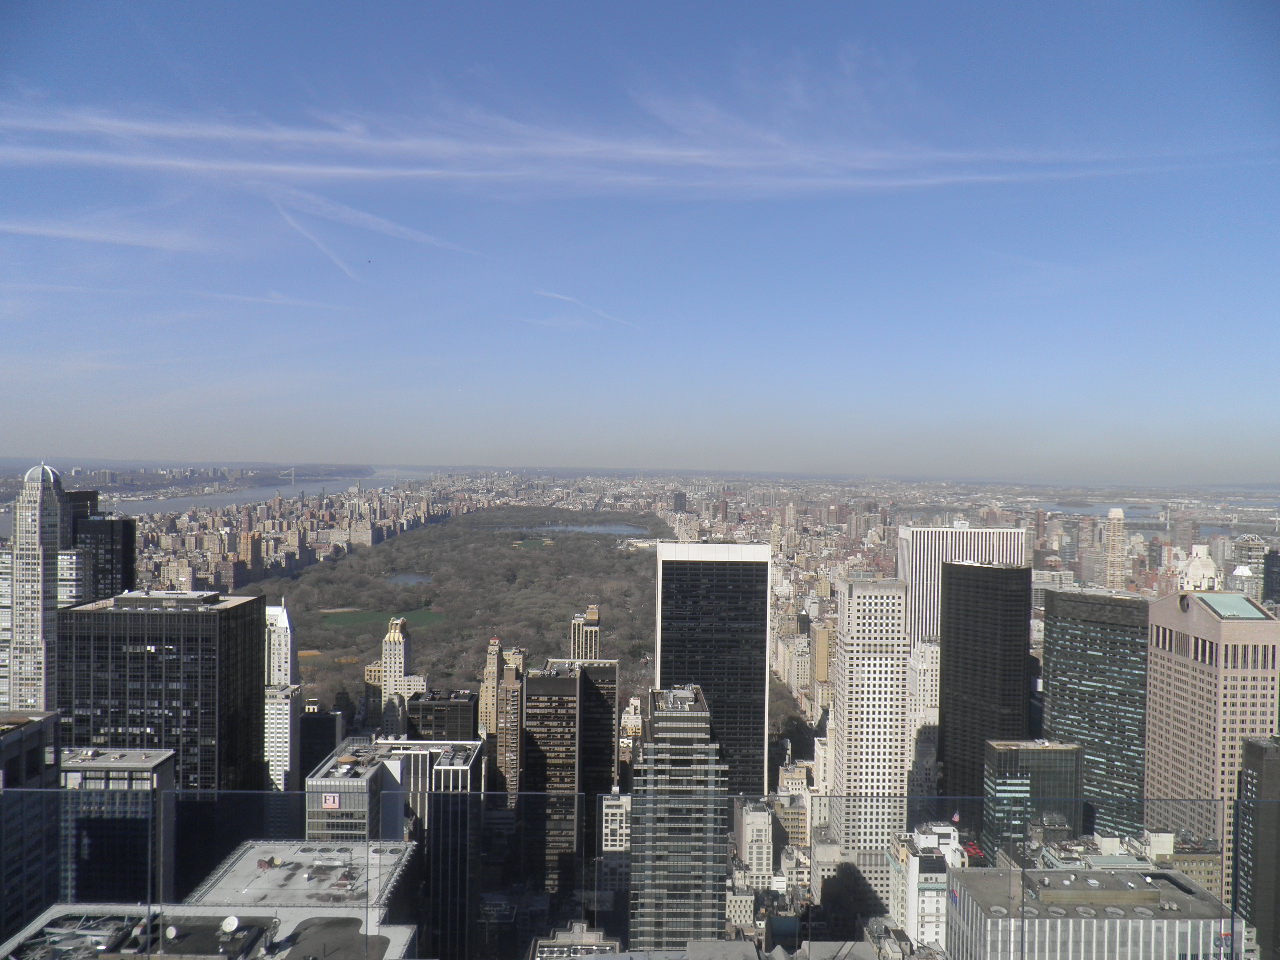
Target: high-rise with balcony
x: 713, y: 631
x: 1213, y: 681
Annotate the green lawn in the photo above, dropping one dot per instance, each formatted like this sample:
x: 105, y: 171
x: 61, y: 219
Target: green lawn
x: 370, y: 618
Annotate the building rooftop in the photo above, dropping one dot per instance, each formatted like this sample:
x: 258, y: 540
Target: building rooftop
x: 359, y: 759
x: 1089, y: 894
x: 13, y: 719
x: 299, y: 873
x: 93, y: 931
x: 186, y: 601
x: 94, y: 758
x: 1232, y: 606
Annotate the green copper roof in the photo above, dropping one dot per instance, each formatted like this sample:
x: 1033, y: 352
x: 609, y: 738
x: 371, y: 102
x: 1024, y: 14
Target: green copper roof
x: 1233, y: 606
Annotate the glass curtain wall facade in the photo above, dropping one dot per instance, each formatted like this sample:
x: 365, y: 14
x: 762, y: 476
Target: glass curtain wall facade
x: 713, y: 631
x: 1095, y: 694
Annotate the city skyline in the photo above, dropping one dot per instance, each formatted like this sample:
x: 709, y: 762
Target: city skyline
x: 328, y: 222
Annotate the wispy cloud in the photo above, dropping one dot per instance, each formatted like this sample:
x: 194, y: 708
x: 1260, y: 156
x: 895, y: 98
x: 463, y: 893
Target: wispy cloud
x: 560, y: 323
x: 586, y: 306
x: 317, y: 243
x: 305, y: 202
x: 115, y: 234
x: 273, y: 299
x: 670, y: 144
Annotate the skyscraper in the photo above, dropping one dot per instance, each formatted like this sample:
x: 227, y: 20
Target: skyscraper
x: 1213, y: 681
x: 29, y: 807
x: 168, y: 670
x: 1116, y: 549
x: 922, y: 552
x: 549, y: 778
x: 868, y: 729
x: 713, y: 631
x: 1026, y: 781
x: 679, y: 826
x: 1256, y: 842
x: 1095, y: 694
x: 63, y: 551
x: 983, y: 672
x: 43, y: 572
x: 282, y: 707
x: 584, y: 635
x: 597, y: 737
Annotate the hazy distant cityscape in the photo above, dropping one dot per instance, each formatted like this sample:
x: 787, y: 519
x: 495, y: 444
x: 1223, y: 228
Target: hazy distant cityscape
x: 873, y: 716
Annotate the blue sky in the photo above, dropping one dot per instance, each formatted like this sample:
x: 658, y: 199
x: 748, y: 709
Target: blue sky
x: 1022, y: 241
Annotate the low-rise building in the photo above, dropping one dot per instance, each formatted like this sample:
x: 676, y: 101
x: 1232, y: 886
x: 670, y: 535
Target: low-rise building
x: 918, y: 864
x: 1052, y: 914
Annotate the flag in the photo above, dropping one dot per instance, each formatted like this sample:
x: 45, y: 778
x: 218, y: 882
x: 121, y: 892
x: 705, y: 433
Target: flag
x: 955, y: 817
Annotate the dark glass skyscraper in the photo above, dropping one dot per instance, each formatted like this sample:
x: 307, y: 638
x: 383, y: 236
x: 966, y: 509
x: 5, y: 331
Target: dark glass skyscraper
x: 985, y: 650
x: 1026, y: 781
x: 1257, y: 882
x: 1095, y: 694
x: 713, y: 631
x: 168, y: 670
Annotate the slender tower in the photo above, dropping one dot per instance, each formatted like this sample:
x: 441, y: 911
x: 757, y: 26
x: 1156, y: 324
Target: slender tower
x: 46, y: 573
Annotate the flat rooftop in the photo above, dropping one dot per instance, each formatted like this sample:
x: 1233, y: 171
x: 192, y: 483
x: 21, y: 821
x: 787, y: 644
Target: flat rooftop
x: 76, y: 936
x: 97, y: 758
x: 119, y: 931
x: 298, y: 873
x: 186, y: 601
x: 1232, y: 606
x: 1089, y: 894
x: 357, y: 759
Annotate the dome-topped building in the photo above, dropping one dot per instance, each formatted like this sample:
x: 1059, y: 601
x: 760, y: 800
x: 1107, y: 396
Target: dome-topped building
x: 43, y: 473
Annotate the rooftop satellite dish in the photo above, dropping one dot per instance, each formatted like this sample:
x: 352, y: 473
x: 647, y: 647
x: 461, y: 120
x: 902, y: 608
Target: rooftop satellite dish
x: 171, y: 933
x: 230, y: 924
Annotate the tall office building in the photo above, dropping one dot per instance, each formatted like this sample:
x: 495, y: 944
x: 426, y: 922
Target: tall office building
x: 495, y: 660
x: 922, y: 728
x: 549, y: 783
x: 42, y: 572
x: 168, y: 670
x: 108, y: 543
x: 282, y: 706
x: 584, y: 635
x: 1028, y: 782
x: 868, y: 729
x: 597, y: 738
x: 282, y: 656
x: 1212, y: 683
x: 443, y: 715
x: 1271, y: 576
x: 63, y: 551
x: 29, y: 807
x: 713, y: 631
x: 923, y: 550
x: 984, y: 672
x: 395, y: 680
x: 679, y: 826
x: 117, y: 825
x: 510, y: 723
x: 1115, y: 548
x: 1256, y: 842
x: 1095, y: 694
